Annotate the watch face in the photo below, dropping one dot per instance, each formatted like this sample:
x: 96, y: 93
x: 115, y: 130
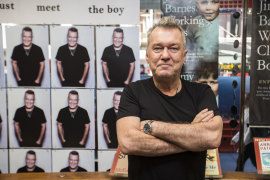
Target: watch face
x: 147, y: 128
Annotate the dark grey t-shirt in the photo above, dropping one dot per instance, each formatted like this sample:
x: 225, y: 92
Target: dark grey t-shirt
x: 144, y: 100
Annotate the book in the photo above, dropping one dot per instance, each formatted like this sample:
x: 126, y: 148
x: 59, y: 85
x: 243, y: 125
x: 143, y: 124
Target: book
x: 120, y: 164
x: 212, y: 168
x: 262, y: 153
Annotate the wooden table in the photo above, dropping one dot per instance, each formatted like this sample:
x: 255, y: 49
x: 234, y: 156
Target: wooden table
x: 106, y: 176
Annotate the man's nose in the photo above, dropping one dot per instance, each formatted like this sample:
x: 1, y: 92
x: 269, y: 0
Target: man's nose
x: 165, y: 54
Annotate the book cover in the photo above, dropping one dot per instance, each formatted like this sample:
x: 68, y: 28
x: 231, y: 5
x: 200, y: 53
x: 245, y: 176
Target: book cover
x: 262, y: 152
x: 212, y: 168
x: 120, y: 164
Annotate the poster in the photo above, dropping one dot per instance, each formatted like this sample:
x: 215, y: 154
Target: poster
x: 62, y: 160
x: 260, y: 64
x: 48, y: 26
x: 61, y: 38
x: 262, y: 152
x: 19, y: 101
x: 18, y: 159
x: 38, y: 42
x: 118, y: 67
x: 85, y: 102
x: 200, y: 22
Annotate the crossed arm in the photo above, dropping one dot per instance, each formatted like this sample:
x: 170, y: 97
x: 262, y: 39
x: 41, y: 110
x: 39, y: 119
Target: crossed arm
x: 169, y: 138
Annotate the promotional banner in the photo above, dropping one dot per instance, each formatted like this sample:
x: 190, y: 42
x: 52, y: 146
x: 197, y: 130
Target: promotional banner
x: 70, y: 12
x: 260, y: 64
x: 53, y: 53
x: 199, y: 19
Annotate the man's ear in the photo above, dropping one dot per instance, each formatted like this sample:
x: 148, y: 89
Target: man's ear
x: 146, y: 55
x: 185, y: 55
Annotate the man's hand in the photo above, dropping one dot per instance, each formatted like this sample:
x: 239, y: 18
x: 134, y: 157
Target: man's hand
x: 81, y: 81
x: 37, y: 81
x: 63, y: 140
x: 142, y: 124
x: 108, y: 141
x: 108, y: 80
x: 38, y: 142
x: 126, y: 82
x: 81, y: 142
x: 20, y: 140
x: 203, y: 116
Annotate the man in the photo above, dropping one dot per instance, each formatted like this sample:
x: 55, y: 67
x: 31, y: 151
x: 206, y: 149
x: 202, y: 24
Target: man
x: 109, y: 122
x: 73, y: 161
x: 30, y: 122
x: 73, y: 123
x: 30, y: 161
x: 166, y: 124
x: 72, y: 61
x: 118, y: 61
x: 28, y: 61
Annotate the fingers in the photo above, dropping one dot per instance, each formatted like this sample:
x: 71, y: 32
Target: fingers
x: 203, y: 116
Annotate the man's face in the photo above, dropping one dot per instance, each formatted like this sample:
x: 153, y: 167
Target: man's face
x: 208, y: 8
x: 116, y: 101
x: 118, y: 39
x: 27, y: 38
x: 30, y: 160
x: 165, y: 53
x: 213, y: 83
x: 29, y: 101
x: 73, y: 100
x: 73, y: 161
x: 72, y: 38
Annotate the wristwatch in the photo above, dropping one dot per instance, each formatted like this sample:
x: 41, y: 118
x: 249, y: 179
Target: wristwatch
x: 147, y: 128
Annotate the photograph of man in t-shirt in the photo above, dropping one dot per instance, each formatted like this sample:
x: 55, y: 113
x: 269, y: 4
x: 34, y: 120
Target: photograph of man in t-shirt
x: 118, y: 61
x: 72, y: 61
x: 73, y: 123
x: 28, y: 61
x: 73, y: 163
x: 29, y: 122
x: 30, y: 164
x: 109, y: 122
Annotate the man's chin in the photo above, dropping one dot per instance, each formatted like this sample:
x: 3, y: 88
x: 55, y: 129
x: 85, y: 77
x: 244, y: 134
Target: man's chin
x: 164, y: 75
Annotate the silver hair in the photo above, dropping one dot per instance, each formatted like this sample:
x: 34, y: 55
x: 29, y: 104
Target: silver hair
x: 170, y: 23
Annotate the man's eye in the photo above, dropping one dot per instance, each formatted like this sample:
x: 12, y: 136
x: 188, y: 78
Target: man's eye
x: 173, y: 49
x: 157, y: 49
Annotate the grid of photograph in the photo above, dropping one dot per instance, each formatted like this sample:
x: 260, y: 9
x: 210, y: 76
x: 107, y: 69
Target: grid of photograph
x: 60, y: 87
